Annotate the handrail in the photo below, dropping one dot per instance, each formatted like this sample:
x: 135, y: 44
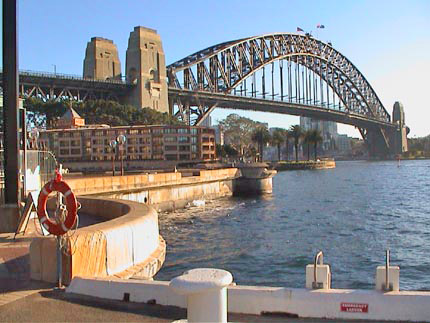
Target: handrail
x: 319, y: 256
x: 66, y: 76
x: 387, y: 270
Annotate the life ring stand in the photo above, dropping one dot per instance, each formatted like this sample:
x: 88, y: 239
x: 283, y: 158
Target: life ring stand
x: 57, y: 185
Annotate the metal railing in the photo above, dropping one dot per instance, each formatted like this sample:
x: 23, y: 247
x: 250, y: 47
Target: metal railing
x: 64, y: 76
x: 39, y: 169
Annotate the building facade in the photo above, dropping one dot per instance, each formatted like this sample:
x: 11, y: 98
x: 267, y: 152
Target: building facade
x: 328, y: 130
x: 88, y: 148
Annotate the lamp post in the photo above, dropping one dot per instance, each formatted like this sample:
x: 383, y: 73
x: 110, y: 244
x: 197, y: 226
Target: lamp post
x: 121, y: 139
x: 112, y: 145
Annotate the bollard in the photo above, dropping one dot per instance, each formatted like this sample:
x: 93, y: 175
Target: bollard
x: 206, y: 291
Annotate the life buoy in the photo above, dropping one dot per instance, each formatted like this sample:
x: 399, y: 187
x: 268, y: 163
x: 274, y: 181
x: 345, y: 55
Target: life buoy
x: 53, y: 227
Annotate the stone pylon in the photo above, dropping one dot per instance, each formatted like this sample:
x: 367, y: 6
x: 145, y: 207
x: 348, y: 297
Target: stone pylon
x: 146, y: 68
x: 101, y: 60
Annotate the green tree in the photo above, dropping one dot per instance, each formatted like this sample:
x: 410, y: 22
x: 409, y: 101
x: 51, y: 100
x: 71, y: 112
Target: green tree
x: 238, y: 131
x: 307, y: 139
x: 42, y: 113
x: 226, y: 151
x: 296, y: 133
x: 278, y: 138
x: 315, y: 138
x: 261, y: 136
x: 287, y: 144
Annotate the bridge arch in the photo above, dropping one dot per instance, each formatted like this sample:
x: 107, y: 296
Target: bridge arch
x: 223, y: 67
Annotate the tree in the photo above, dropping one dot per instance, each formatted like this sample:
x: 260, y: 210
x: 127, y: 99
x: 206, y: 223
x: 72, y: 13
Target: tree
x: 238, y: 131
x: 315, y: 138
x: 296, y: 133
x: 287, y: 143
x: 278, y: 139
x: 226, y: 151
x: 307, y: 139
x: 261, y: 136
x: 42, y: 113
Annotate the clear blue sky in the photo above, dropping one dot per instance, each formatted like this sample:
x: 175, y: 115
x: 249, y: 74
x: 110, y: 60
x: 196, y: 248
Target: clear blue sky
x: 389, y: 41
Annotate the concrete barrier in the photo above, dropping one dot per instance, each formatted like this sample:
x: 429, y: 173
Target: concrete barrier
x: 127, y: 244
x: 259, y: 300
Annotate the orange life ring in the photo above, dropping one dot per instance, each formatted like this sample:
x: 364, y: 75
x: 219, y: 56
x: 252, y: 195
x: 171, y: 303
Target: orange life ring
x: 53, y: 227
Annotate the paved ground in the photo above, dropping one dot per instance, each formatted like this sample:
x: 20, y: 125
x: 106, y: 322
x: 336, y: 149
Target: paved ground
x: 58, y: 306
x: 14, y: 262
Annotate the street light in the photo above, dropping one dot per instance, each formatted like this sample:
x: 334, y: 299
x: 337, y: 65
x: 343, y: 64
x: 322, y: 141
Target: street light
x: 112, y: 145
x: 121, y: 139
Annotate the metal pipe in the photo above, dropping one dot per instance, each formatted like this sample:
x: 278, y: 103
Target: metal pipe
x: 387, y: 271
x: 319, y: 256
x: 282, y: 78
x: 10, y: 110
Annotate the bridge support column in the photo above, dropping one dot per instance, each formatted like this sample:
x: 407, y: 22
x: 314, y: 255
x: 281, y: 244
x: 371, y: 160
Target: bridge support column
x: 146, y: 67
x: 399, y: 136
x: 376, y: 143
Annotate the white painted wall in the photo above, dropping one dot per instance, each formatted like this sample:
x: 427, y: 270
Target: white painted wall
x: 395, y: 306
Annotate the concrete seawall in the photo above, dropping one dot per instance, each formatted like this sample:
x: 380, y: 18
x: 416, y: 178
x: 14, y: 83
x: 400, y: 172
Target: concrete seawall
x: 292, y: 165
x: 126, y: 245
x: 164, y: 191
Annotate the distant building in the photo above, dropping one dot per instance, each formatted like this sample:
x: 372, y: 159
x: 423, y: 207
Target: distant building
x: 343, y: 144
x: 207, y: 122
x: 328, y: 130
x: 219, y: 135
x: 84, y: 148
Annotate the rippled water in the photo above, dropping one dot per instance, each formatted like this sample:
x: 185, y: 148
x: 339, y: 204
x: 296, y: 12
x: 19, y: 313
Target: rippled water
x: 353, y: 213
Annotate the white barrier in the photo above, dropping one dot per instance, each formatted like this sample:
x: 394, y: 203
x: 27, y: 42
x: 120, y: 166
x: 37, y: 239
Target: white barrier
x: 206, y: 293
x: 334, y: 304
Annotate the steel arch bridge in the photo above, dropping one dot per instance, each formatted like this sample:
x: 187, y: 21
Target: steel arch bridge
x: 284, y: 73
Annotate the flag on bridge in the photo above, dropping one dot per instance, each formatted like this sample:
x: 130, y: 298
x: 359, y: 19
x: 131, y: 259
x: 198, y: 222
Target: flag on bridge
x: 320, y: 26
x: 299, y: 29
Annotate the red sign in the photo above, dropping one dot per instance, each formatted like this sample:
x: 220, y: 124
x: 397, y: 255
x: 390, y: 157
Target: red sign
x: 354, y: 307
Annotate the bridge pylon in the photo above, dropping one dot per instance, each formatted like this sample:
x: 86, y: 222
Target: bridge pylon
x: 146, y: 69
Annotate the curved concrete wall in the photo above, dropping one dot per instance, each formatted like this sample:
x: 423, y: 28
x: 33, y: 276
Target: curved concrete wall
x: 127, y: 244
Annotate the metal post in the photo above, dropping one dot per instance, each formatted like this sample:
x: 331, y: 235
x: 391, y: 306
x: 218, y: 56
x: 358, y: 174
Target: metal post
x: 263, y: 83
x: 122, y: 163
x: 281, y: 63
x: 59, y: 263
x: 113, y: 164
x: 387, y: 270
x: 10, y: 110
x: 24, y: 150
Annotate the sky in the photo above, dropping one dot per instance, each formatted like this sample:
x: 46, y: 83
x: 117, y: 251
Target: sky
x: 388, y: 41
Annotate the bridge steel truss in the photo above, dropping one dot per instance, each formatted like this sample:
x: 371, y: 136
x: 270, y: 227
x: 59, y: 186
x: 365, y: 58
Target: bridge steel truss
x: 50, y: 86
x: 312, y: 76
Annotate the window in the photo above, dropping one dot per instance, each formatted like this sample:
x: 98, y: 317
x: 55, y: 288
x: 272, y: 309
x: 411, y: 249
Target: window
x: 194, y: 148
x: 75, y: 151
x: 184, y: 148
x: 184, y: 157
x: 183, y: 139
x: 157, y: 130
x: 64, y: 151
x: 170, y: 139
x: 193, y: 140
x: 171, y: 157
x: 183, y: 130
x: 194, y: 131
x: 169, y: 130
x: 170, y: 148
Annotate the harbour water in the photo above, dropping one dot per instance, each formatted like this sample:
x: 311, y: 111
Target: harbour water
x: 353, y: 213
